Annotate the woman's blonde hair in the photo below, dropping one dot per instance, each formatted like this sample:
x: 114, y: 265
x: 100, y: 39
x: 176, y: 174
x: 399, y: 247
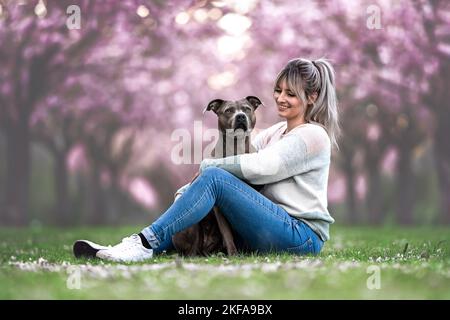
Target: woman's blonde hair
x: 306, y: 78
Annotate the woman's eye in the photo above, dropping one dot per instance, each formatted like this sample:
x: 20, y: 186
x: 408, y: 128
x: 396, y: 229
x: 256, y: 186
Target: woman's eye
x: 290, y: 94
x: 277, y: 90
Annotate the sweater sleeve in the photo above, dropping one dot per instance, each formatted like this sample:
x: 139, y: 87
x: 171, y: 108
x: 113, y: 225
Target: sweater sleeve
x: 261, y: 138
x: 258, y: 140
x: 292, y: 155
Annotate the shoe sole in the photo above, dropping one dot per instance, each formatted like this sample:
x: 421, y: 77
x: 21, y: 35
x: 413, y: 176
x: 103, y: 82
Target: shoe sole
x: 82, y: 249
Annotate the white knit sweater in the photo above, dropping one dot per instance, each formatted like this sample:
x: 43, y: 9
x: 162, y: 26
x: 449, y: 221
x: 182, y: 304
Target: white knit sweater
x: 293, y: 168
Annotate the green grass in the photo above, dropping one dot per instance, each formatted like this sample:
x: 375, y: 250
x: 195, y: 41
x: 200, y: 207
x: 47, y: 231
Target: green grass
x: 37, y: 263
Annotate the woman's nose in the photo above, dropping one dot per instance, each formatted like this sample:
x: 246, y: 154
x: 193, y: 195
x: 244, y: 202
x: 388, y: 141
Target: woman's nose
x: 281, y: 97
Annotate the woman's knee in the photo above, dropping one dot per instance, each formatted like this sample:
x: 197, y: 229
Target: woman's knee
x: 213, y: 172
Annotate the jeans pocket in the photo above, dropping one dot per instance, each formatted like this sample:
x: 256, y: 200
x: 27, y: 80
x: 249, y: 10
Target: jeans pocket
x: 305, y: 248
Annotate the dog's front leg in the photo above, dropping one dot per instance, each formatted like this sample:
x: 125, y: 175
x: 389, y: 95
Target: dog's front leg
x: 226, y: 232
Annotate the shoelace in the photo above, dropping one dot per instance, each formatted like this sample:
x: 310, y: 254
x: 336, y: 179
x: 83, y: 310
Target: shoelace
x: 129, y: 243
x: 131, y: 238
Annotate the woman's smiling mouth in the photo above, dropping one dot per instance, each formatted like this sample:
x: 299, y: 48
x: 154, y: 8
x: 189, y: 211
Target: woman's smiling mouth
x: 283, y: 107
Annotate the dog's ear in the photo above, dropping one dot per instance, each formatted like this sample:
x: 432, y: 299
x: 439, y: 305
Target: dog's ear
x: 254, y: 101
x: 214, y: 105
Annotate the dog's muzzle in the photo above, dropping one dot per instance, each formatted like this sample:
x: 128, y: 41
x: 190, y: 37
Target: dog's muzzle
x: 241, y: 122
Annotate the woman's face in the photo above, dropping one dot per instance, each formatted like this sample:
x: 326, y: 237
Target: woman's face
x: 288, y: 104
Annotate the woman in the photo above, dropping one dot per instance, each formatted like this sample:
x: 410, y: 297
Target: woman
x: 292, y: 162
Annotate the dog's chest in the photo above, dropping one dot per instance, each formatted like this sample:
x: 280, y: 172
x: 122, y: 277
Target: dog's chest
x: 231, y: 146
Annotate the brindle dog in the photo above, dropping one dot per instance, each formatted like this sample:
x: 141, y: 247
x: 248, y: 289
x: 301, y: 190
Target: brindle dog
x: 213, y: 234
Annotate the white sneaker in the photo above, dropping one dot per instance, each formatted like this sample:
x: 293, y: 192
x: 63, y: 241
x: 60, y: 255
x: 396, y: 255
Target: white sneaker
x: 129, y: 250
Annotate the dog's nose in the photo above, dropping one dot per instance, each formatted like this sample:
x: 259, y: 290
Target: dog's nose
x: 240, y: 117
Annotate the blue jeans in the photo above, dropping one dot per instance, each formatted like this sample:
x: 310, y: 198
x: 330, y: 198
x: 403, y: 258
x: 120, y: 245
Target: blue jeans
x: 258, y: 223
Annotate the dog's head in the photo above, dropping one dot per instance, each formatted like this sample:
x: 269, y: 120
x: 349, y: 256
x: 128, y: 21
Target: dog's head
x: 235, y: 115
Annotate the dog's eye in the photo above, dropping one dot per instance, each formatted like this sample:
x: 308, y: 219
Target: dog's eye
x: 246, y: 109
x: 229, y: 111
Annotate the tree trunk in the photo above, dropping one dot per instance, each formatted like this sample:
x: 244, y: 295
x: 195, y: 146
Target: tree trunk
x: 97, y: 208
x: 159, y: 176
x: 442, y: 159
x: 118, y: 202
x: 18, y: 172
x: 374, y: 193
x: 80, y: 205
x: 405, y: 187
x: 350, y: 188
x: 62, y: 209
x: 2, y: 179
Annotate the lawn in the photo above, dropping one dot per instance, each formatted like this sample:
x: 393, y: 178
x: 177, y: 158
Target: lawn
x: 358, y: 263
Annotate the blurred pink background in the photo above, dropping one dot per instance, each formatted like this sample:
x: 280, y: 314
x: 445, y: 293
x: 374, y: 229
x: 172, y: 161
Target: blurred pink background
x: 90, y: 97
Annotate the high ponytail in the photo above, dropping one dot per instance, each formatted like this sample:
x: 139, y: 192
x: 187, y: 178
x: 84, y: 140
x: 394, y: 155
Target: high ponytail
x: 325, y: 109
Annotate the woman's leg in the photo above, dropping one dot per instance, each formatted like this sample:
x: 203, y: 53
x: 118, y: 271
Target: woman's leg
x: 262, y: 224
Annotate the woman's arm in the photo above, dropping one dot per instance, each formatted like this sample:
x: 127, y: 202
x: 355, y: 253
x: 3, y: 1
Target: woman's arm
x: 283, y: 159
